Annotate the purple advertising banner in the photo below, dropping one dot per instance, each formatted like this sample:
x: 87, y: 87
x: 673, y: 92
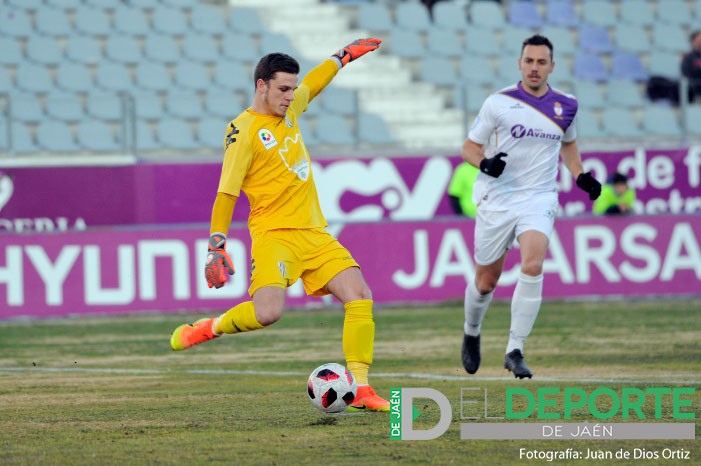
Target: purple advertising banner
x: 350, y: 190
x: 115, y: 271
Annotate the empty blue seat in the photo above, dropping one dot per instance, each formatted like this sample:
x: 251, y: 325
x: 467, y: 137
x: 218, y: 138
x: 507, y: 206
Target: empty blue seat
x: 475, y: 69
x: 34, y: 78
x: 176, y: 134
x: 561, y: 13
x: 675, y: 12
x: 22, y: 139
x: 44, y: 50
x: 113, y: 77
x: 240, y: 47
x: 599, y: 12
x: 523, y: 13
x: 123, y: 49
x: 161, y: 49
x: 105, y: 106
x: 588, y: 125
x: 169, y: 21
x: 211, y: 133
x: 621, y: 122
x: 333, y: 129
x: 182, y: 4
x: 507, y: 68
x: 449, y: 15
x: 483, y: 42
x: 661, y: 63
x: 85, y: 50
x: 153, y: 77
x: 375, y: 17
x: 372, y: 129
x: 106, y: 4
x: 590, y: 67
x: 589, y: 95
x: 406, y: 44
x: 246, y: 20
x: 562, y: 39
x: 6, y: 84
x: 223, y: 103
x: 625, y: 93
x: 73, y: 77
x: 512, y: 40
x: 438, y: 71
x: 669, y: 38
x: 145, y: 139
x: 16, y: 25
x: 308, y: 133
x: 412, y: 16
x: 145, y: 4
x: 637, y: 13
x: 488, y: 15
x: 192, y: 76
x: 693, y: 114
x: 594, y: 39
x: 200, y: 48
x: 661, y: 121
x: 11, y: 51
x: 185, y: 105
x: 92, y: 21
x: 97, y: 136
x: 232, y: 75
x: 52, y: 22
x: 131, y: 21
x: 340, y: 100
x: 632, y: 38
x: 56, y: 136
x: 26, y: 107
x: 444, y: 43
x: 26, y: 5
x: 207, y: 19
x: 148, y: 105
x: 64, y: 106
x: 626, y: 65
x: 273, y: 42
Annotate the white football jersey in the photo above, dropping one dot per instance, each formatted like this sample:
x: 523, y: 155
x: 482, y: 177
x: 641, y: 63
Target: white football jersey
x: 531, y: 131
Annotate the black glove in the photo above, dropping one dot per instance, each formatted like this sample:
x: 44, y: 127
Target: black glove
x: 494, y: 166
x: 588, y: 183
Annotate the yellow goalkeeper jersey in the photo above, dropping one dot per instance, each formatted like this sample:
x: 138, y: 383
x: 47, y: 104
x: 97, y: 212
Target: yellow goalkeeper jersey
x: 265, y: 157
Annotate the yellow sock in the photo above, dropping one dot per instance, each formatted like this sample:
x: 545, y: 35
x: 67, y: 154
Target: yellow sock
x: 358, y: 338
x: 240, y: 318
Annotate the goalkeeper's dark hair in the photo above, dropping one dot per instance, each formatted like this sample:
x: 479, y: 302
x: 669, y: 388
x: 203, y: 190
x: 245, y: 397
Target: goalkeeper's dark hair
x: 538, y: 40
x: 272, y: 63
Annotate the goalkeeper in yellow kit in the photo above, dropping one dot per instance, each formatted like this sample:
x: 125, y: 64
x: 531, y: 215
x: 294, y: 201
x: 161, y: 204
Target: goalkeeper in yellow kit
x: 266, y: 158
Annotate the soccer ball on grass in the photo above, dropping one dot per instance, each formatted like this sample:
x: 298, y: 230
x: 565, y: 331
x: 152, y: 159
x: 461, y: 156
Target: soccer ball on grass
x: 331, y: 388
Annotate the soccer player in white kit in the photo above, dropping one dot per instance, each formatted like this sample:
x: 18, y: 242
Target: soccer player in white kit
x: 515, y: 141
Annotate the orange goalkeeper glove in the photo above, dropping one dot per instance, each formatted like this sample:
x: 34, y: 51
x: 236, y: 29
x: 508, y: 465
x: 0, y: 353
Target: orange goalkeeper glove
x: 218, y: 262
x: 356, y: 49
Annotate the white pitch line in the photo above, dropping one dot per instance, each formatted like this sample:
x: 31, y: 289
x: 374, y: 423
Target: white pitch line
x: 410, y: 375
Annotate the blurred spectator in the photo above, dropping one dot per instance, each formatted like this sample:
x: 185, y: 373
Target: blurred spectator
x: 691, y: 66
x: 616, y: 198
x: 460, y: 190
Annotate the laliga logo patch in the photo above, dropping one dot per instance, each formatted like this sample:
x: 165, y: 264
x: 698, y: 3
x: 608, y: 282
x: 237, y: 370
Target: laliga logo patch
x: 267, y: 138
x: 6, y: 189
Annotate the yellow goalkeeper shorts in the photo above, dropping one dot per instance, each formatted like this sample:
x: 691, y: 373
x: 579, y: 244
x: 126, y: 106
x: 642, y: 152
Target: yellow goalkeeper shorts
x: 280, y: 257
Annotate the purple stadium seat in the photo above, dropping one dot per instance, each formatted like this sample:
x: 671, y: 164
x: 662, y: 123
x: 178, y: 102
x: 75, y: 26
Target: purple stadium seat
x: 590, y: 67
x: 524, y: 14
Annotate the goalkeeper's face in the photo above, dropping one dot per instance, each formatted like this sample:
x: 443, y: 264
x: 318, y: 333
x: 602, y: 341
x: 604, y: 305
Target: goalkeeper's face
x: 535, y: 65
x: 277, y: 94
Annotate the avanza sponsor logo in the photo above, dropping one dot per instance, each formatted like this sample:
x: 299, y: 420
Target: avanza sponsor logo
x: 520, y: 131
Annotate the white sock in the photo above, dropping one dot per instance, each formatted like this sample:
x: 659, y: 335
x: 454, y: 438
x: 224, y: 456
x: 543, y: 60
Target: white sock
x: 476, y: 305
x: 525, y: 305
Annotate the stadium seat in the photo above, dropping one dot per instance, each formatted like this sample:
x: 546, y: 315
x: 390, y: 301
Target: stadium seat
x: 161, y: 48
x: 372, y: 129
x: 19, y: 27
x: 44, y: 50
x: 123, y: 49
x: 167, y: 20
x: 153, y: 77
x: 27, y: 5
x: 73, y: 77
x: 669, y: 38
x: 131, y: 21
x: 621, y: 122
x: 489, y: 15
x: 200, y: 48
x: 562, y: 39
x: 97, y: 136
x: 232, y: 75
x: 145, y: 4
x: 589, y: 67
x: 84, y: 50
x: 240, y: 47
x: 211, y: 132
x: 675, y: 12
x: 474, y: 69
x: 192, y: 76
x: 56, y: 136
x: 223, y: 104
x: 182, y: 4
x: 273, y: 42
x: 184, y: 104
x: 176, y: 134
x: 507, y: 68
x: 484, y: 42
x: 512, y: 40
x: 661, y: 121
x: 594, y: 39
x: 113, y: 77
x: 340, y: 101
x: 524, y: 13
x: 34, y: 78
x: 22, y: 140
x: 561, y: 13
x: 406, y: 44
x: 11, y: 51
x: 627, y: 65
x: 661, y: 63
x: 588, y: 125
x: 308, y: 133
x: 438, y: 71
x: 693, y: 116
x: 246, y: 20
x: 148, y: 106
x: 333, y: 129
x: 444, y: 43
x: 450, y: 15
x: 637, y: 13
x: 64, y: 106
x: 105, y: 106
x: 52, y: 22
x: 589, y: 95
x: 25, y: 107
x: 599, y: 12
x: 4, y: 143
x: 469, y: 98
x: 92, y: 21
x: 412, y: 16
x: 374, y: 17
x: 145, y: 139
x: 208, y: 19
x: 625, y: 93
x: 106, y: 4
x: 632, y: 38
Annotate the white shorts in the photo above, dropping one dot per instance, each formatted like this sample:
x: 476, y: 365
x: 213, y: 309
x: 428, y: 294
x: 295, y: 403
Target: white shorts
x: 496, y: 230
